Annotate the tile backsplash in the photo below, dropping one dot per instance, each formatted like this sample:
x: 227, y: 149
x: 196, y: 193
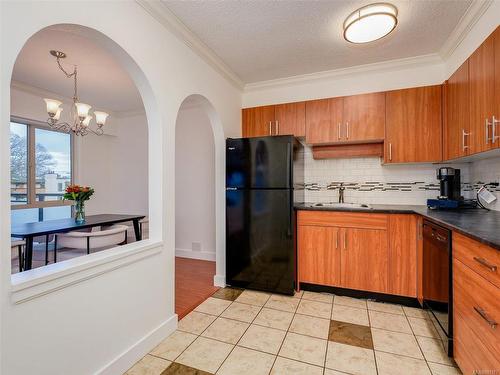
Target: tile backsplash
x: 368, y: 181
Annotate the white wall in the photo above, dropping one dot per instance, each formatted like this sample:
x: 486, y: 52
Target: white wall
x: 194, y: 185
x: 115, y: 164
x: 98, y: 314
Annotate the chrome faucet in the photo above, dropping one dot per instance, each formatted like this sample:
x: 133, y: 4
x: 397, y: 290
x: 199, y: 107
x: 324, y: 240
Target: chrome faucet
x: 341, y: 192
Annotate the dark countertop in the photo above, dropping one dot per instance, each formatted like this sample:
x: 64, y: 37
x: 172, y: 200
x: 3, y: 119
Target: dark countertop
x: 479, y: 224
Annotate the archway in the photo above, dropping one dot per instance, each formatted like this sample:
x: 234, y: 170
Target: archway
x: 200, y: 207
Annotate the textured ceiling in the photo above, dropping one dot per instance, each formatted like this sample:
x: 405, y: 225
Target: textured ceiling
x: 102, y: 82
x: 264, y: 39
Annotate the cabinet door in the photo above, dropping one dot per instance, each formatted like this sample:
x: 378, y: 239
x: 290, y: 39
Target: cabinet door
x: 364, y: 117
x: 364, y: 259
x: 318, y: 255
x: 290, y: 119
x: 323, y: 121
x: 496, y: 38
x: 457, y: 114
x: 413, y: 125
x: 258, y: 121
x: 482, y: 95
x: 403, y: 255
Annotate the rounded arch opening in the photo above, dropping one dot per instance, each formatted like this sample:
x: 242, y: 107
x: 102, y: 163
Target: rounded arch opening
x: 199, y: 195
x: 112, y: 145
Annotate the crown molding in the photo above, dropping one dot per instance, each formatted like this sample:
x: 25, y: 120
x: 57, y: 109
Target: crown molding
x: 42, y: 93
x: 410, y: 62
x: 171, y: 22
x: 471, y: 16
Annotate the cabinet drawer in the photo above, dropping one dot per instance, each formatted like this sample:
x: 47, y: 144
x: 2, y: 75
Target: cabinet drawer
x: 479, y: 257
x: 477, y: 301
x: 469, y: 352
x: 343, y: 219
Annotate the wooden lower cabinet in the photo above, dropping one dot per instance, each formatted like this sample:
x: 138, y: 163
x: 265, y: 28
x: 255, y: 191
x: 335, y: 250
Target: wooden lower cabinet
x: 369, y: 252
x: 319, y: 256
x: 364, y: 259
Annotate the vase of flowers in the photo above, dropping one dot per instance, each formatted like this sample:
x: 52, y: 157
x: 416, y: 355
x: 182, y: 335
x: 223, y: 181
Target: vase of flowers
x: 79, y: 194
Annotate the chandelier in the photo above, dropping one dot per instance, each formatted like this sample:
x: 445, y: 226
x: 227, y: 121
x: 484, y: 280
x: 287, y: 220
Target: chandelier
x: 79, y: 111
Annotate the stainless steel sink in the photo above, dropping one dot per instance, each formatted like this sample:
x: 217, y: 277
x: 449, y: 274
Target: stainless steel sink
x: 343, y: 205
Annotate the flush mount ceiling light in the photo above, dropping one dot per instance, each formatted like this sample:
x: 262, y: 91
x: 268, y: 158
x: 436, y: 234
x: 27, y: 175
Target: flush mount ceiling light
x: 370, y: 23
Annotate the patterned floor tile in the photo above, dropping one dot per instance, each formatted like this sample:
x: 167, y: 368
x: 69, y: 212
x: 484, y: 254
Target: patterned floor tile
x: 385, y: 307
x: 252, y: 297
x: 263, y: 338
x: 229, y: 294
x: 350, y: 359
x: 274, y: 319
x: 350, y: 315
x: 298, y: 294
x: 195, y: 322
x: 244, y: 361
x: 285, y: 366
x: 213, y: 306
x: 205, y: 354
x: 438, y: 369
x: 149, y: 365
x: 310, y: 326
x: 318, y: 297
x: 390, y: 322
x: 313, y: 308
x: 226, y: 330
x: 283, y: 303
x: 304, y: 348
x: 414, y: 312
x: 241, y: 311
x: 434, y: 351
x: 396, y: 343
x: 178, y: 369
x: 392, y: 364
x: 350, y: 334
x: 351, y: 302
x: 172, y: 346
x: 423, y: 327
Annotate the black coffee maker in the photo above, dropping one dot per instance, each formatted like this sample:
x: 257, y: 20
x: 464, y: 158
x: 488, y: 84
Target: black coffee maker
x: 449, y: 189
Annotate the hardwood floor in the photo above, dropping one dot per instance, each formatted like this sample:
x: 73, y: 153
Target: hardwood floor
x: 194, y: 280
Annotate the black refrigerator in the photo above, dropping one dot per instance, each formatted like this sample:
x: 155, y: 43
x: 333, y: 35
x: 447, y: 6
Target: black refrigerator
x: 264, y: 177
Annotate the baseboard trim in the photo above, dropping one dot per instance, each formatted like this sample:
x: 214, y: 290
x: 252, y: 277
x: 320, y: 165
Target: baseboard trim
x: 125, y: 360
x: 200, y: 255
x: 220, y: 281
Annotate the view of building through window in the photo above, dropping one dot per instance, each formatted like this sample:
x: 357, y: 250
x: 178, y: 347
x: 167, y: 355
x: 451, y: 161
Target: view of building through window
x: 50, y: 153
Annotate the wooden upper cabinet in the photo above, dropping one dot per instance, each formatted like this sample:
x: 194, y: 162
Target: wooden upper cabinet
x: 413, y: 129
x: 496, y: 108
x: 364, y: 117
x: 319, y: 127
x: 318, y: 255
x: 482, y: 95
x: 258, y: 121
x: 290, y: 119
x: 456, y: 131
x: 364, y: 259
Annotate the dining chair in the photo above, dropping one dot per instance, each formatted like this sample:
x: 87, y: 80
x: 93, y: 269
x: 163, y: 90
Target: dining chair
x: 15, y: 242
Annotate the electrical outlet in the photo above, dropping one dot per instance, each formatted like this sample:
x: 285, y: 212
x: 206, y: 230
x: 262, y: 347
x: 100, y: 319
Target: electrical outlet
x: 196, y: 246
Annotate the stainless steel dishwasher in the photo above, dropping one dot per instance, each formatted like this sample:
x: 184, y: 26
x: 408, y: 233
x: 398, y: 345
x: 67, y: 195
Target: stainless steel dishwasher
x: 437, y: 282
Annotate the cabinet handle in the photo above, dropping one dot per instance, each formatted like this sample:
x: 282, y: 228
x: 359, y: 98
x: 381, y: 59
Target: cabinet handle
x: 270, y: 129
x: 339, y: 135
x: 347, y: 133
x: 483, y: 315
x: 464, y: 134
x: 494, y: 123
x: 390, y: 151
x: 487, y: 131
x: 277, y: 127
x: 345, y: 240
x: 486, y: 264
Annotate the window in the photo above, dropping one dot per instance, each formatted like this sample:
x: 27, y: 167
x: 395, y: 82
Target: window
x: 41, y: 168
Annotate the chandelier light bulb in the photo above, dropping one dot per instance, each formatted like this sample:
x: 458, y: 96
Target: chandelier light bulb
x: 83, y: 110
x: 100, y: 117
x: 52, y: 106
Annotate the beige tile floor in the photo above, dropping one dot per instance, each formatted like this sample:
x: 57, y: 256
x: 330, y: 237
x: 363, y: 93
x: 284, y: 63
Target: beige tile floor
x: 239, y: 332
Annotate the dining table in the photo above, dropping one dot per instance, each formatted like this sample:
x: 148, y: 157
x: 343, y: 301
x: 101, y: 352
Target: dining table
x: 28, y: 231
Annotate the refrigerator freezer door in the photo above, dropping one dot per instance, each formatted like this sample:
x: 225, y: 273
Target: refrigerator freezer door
x: 259, y: 163
x: 259, y: 240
